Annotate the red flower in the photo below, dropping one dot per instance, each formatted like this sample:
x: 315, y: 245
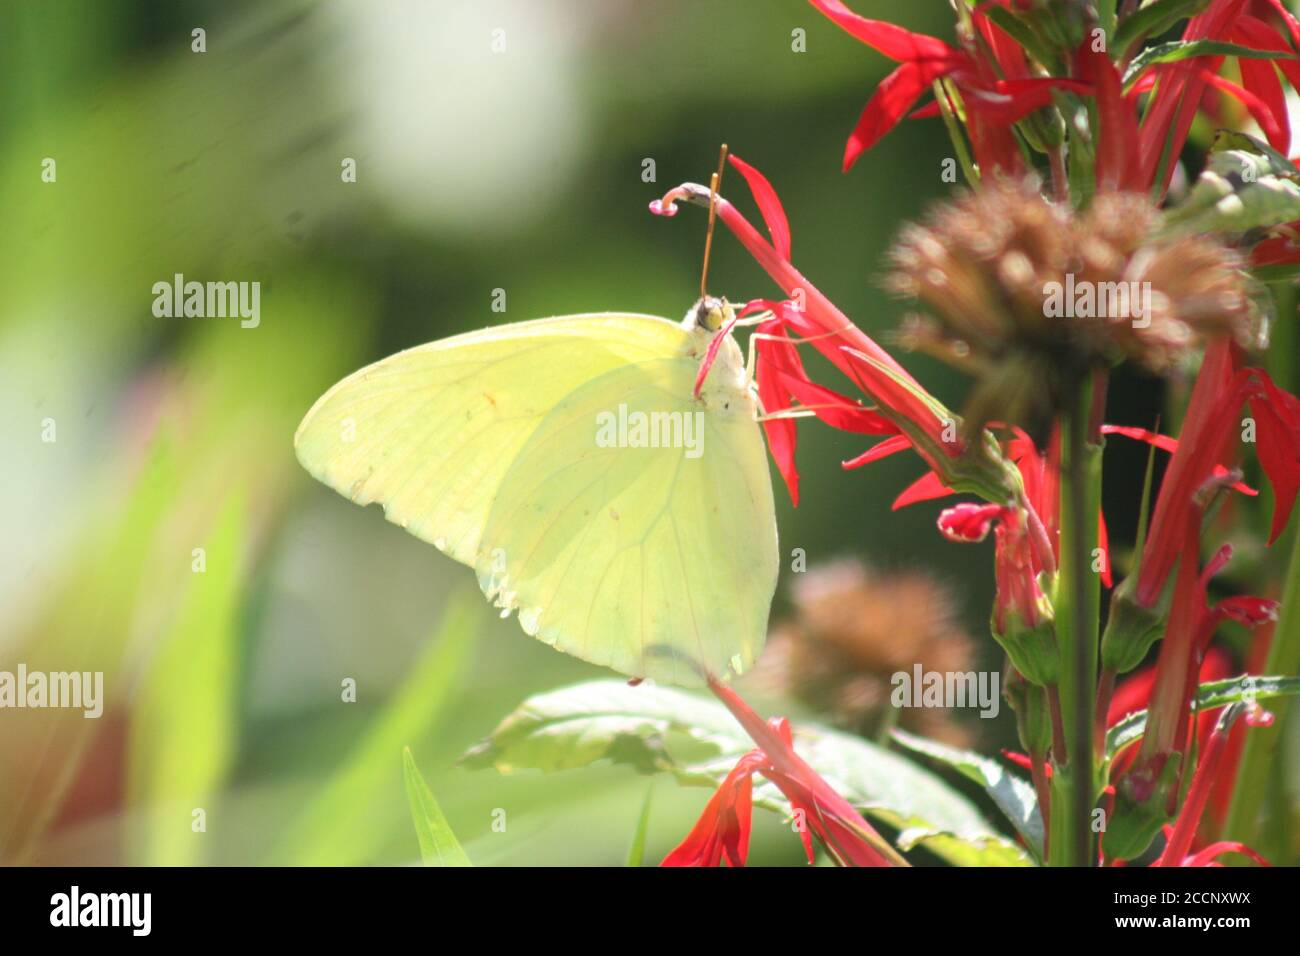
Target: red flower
x: 1179, y: 837
x: 903, y: 407
x: 996, y: 94
x: 1180, y: 86
x: 1211, y: 431
x: 723, y: 829
x: 1192, y: 625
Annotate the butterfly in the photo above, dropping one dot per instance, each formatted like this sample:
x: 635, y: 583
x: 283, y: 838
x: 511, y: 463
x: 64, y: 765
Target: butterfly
x: 571, y: 464
x: 603, y: 474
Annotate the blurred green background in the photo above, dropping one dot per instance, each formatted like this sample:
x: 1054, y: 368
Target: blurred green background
x: 519, y: 170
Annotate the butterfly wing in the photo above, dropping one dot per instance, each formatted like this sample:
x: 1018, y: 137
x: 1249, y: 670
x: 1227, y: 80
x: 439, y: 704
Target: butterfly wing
x: 656, y: 561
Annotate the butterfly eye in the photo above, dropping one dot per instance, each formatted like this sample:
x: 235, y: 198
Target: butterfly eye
x: 714, y: 313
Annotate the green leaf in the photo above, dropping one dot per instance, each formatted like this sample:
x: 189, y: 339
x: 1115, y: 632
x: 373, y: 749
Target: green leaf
x: 438, y: 844
x: 1209, y: 695
x: 183, y: 721
x: 1153, y: 20
x: 1187, y: 49
x: 351, y: 816
x: 1014, y: 796
x: 697, y: 741
x: 1237, y: 191
x: 636, y: 852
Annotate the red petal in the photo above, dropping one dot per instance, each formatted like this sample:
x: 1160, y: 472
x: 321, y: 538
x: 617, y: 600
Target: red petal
x: 929, y: 111
x: 769, y: 204
x: 835, y: 409
x: 889, y: 104
x: 1251, y: 612
x: 723, y: 827
x: 1007, y: 53
x: 1259, y: 76
x: 969, y: 522
x: 781, y: 435
x: 1276, y: 251
x: 1260, y: 110
x: 882, y: 449
x: 926, y: 488
x: 1103, y: 542
x: 711, y: 355
x: 1207, y: 856
x: 1008, y: 101
x: 1169, y: 114
x: 1292, y: 25
x: 893, y: 41
x: 1020, y: 760
x: 1277, y: 417
x: 1117, y: 161
x: 1166, y: 443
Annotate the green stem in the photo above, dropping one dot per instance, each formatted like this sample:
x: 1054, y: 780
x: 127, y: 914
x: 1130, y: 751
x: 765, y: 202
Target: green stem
x: 955, y: 134
x: 1078, y: 613
x: 1258, y: 759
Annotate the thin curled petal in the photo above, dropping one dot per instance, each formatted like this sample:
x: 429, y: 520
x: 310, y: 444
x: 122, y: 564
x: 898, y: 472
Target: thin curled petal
x: 893, y: 41
x: 769, y: 205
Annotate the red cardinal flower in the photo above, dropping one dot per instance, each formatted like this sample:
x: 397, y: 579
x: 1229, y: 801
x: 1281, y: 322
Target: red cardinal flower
x: 1179, y: 87
x: 1211, y: 432
x: 723, y: 829
x: 997, y: 86
x: 1192, y: 625
x: 1179, y: 837
x: 903, y: 407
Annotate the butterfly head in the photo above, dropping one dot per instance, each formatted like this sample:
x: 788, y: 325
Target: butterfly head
x: 709, y: 313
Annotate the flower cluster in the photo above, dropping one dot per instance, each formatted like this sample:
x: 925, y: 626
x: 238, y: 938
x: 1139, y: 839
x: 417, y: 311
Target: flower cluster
x: 1071, y: 130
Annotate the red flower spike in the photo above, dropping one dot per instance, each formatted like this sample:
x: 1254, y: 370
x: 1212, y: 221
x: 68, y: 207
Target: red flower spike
x: 1177, y: 849
x: 1202, y: 447
x: 818, y: 315
x: 722, y: 832
x: 1178, y: 92
x: 833, y: 820
x: 901, y: 400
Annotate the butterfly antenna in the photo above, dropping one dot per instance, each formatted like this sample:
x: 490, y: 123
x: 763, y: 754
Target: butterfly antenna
x: 714, y: 182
